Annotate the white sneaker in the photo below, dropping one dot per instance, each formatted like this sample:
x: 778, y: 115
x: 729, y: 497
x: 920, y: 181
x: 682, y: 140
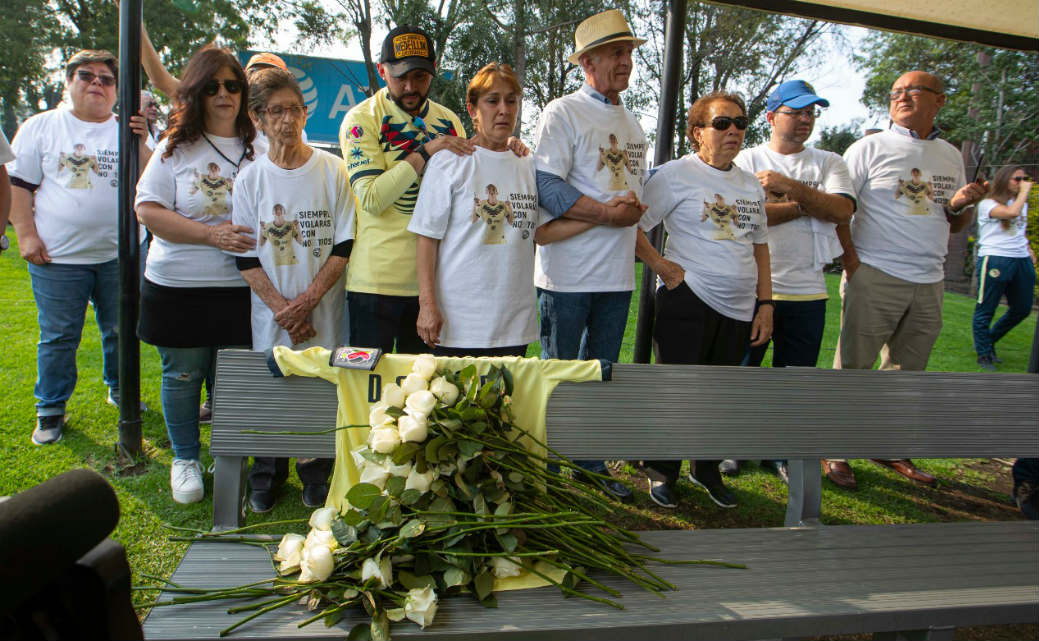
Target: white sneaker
x: 186, y: 481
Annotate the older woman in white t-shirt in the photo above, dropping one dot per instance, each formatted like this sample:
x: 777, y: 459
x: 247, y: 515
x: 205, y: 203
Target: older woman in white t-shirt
x: 475, y: 218
x: 193, y: 300
x: 1006, y: 263
x: 716, y: 265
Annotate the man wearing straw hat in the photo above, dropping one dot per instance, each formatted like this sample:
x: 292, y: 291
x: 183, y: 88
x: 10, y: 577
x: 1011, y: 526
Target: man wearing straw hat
x: 585, y: 280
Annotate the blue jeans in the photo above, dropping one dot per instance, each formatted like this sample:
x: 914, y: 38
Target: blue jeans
x: 999, y: 275
x: 578, y: 325
x: 62, y: 292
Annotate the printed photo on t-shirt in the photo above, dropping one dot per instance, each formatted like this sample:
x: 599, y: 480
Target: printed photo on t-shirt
x: 215, y: 188
x: 280, y: 233
x: 616, y: 161
x: 79, y: 165
x: 723, y: 216
x: 494, y: 213
x: 917, y: 192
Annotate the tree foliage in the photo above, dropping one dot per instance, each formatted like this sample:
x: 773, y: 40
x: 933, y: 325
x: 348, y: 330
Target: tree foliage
x: 993, y: 94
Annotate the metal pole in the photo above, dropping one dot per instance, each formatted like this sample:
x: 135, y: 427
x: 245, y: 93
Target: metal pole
x: 674, y: 37
x: 129, y: 241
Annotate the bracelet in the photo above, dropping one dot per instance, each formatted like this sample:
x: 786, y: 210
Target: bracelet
x: 767, y: 301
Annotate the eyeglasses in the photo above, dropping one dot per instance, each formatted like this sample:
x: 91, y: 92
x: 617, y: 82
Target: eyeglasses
x: 213, y: 86
x: 802, y: 113
x: 89, y: 78
x: 722, y: 123
x: 912, y: 91
x: 277, y: 111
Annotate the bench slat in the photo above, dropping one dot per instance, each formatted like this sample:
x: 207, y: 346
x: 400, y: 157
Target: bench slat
x: 807, y: 581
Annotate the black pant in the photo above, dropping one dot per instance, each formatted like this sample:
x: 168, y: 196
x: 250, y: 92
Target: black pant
x: 268, y: 473
x: 377, y: 320
x: 797, y: 334
x: 477, y: 352
x: 688, y: 332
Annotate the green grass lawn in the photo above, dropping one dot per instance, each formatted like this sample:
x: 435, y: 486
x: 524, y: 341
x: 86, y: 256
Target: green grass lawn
x: 970, y: 489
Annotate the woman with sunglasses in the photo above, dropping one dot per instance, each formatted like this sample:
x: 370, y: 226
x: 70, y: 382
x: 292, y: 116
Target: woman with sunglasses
x: 1006, y: 263
x: 193, y: 299
x: 716, y: 265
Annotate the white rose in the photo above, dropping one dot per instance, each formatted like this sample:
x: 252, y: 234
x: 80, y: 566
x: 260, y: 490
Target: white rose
x: 505, y: 566
x: 322, y: 519
x: 399, y: 470
x: 446, y: 392
x: 375, y: 474
x: 377, y: 416
x: 412, y: 429
x: 413, y: 383
x: 382, y: 571
x: 316, y: 564
x: 289, y: 551
x: 393, y: 395
x: 425, y: 366
x: 421, y: 605
x: 420, y: 403
x: 384, y: 440
x: 321, y: 537
x: 420, y: 482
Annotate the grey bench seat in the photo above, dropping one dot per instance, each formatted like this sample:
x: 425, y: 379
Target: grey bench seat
x: 800, y: 582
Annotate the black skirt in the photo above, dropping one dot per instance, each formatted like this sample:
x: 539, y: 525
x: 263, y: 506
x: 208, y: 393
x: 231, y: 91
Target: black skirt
x: 194, y: 316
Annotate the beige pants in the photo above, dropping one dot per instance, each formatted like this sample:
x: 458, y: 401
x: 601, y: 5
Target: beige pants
x: 887, y: 316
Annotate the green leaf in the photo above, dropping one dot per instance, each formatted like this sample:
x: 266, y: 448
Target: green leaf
x: 344, y: 534
x: 360, y: 632
x: 405, y: 452
x: 412, y: 528
x: 362, y: 495
x: 412, y: 582
x: 380, y: 627
x: 456, y: 576
x: 353, y: 518
x: 508, y: 542
x: 409, y: 497
x: 395, y: 485
x: 483, y: 584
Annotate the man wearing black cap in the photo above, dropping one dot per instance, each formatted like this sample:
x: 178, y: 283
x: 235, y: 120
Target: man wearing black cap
x: 386, y: 141
x: 810, y: 203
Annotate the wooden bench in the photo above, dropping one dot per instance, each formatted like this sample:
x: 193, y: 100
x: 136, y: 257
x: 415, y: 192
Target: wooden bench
x: 922, y: 580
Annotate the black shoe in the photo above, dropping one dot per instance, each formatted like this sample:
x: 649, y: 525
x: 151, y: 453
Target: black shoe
x: 48, y: 429
x: 615, y: 489
x: 661, y: 494
x: 314, y: 495
x: 715, y: 488
x: 778, y: 468
x: 262, y: 501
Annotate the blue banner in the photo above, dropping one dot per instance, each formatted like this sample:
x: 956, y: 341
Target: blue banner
x: 331, y: 87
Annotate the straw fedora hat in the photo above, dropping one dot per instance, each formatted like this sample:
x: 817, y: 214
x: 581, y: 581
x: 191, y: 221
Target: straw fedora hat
x: 602, y: 28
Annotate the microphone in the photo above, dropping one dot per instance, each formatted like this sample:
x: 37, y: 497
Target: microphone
x: 46, y: 529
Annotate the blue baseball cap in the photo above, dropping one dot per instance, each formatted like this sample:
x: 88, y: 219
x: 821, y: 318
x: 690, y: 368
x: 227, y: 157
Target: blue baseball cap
x: 795, y: 94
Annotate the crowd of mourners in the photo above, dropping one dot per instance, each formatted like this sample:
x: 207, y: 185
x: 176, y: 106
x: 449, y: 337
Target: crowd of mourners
x: 422, y: 238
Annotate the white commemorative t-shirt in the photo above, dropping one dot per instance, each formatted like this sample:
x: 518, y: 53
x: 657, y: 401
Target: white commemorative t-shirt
x: 600, y: 149
x: 484, y: 209
x: 902, y: 185
x: 6, y: 155
x: 76, y: 165
x: 792, y: 245
x: 994, y: 240
x: 713, y: 219
x: 298, y: 216
x: 195, y: 182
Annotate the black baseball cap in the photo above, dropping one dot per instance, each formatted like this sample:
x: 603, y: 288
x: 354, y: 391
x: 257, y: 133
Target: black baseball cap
x: 406, y: 48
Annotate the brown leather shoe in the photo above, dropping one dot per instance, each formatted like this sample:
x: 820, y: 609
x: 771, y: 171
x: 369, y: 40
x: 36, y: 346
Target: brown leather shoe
x: 840, y: 473
x: 906, y: 468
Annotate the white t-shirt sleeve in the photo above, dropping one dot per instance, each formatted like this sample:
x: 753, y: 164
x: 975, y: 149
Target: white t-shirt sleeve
x: 243, y: 212
x: 433, y: 208
x: 28, y: 159
x: 659, y: 197
x: 6, y: 155
x: 553, y: 149
x: 158, y: 183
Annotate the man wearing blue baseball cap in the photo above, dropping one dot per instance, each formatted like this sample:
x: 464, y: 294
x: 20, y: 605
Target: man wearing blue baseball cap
x: 810, y: 200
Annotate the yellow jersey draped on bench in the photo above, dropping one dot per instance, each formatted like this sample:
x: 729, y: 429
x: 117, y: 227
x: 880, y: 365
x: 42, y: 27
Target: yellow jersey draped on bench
x: 534, y: 381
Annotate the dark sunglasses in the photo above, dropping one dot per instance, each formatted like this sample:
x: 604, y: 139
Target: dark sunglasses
x: 213, y: 86
x: 722, y: 123
x: 89, y: 77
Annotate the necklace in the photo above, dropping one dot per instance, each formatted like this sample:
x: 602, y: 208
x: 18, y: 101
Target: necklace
x: 217, y: 150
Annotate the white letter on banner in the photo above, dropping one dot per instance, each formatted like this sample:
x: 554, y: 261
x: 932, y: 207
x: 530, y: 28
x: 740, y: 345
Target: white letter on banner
x: 339, y: 105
